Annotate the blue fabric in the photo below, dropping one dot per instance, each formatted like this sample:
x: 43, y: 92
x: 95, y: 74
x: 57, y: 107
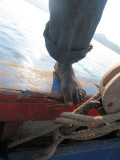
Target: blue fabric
x: 71, y: 27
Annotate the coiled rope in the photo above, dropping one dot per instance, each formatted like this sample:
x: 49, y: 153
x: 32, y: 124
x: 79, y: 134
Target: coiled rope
x: 66, y: 127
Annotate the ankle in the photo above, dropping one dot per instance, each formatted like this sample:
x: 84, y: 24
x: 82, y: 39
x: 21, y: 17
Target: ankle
x: 64, y: 66
x: 64, y: 70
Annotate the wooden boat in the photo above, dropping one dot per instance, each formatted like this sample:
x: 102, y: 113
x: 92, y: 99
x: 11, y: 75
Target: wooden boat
x: 30, y: 99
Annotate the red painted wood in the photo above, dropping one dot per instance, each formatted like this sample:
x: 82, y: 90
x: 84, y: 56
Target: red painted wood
x: 35, y: 108
x: 93, y: 112
x: 22, y: 111
x: 16, y: 108
x: 14, y: 113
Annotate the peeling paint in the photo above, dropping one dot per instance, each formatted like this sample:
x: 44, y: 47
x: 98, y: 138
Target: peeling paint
x: 21, y: 78
x: 31, y: 114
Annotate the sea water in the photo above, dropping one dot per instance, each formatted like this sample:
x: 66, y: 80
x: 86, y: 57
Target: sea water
x: 22, y: 42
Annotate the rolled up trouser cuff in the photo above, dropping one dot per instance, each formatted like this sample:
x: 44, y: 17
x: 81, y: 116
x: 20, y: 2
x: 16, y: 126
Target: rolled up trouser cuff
x: 61, y: 56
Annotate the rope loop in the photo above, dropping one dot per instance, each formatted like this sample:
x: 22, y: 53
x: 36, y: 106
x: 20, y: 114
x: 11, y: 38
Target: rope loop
x: 75, y: 126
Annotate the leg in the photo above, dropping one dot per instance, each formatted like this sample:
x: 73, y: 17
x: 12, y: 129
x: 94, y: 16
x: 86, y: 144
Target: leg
x: 67, y: 35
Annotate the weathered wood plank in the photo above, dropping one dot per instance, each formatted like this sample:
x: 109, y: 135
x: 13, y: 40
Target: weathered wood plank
x: 33, y: 94
x: 20, y: 111
x: 14, y: 78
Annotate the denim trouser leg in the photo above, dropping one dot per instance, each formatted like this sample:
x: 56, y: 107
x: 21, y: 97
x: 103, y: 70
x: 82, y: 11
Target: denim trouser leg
x: 71, y: 27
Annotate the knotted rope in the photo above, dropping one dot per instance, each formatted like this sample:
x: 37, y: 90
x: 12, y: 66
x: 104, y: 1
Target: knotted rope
x: 66, y: 127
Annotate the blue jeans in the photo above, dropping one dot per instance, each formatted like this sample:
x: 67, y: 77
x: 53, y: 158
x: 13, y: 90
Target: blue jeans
x: 71, y: 27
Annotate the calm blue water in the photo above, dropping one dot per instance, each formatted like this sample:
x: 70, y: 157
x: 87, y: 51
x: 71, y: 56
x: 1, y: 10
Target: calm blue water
x: 22, y: 42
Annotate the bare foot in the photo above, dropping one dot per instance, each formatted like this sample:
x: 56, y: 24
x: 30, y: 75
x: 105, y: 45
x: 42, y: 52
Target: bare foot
x: 70, y: 86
